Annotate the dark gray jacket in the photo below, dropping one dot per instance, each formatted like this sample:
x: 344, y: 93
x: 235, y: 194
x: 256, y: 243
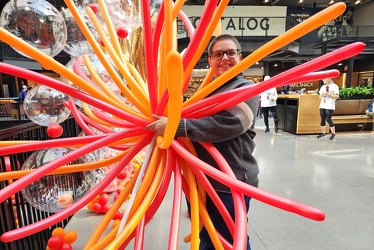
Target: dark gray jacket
x: 231, y: 131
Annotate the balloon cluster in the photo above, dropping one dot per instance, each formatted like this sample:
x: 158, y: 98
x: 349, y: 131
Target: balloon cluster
x: 139, y: 72
x: 61, y: 240
x: 100, y: 204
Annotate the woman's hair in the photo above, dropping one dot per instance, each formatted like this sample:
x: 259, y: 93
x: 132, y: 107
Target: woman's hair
x: 223, y: 37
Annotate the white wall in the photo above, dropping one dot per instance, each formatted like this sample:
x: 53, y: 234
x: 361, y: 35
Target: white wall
x: 247, y: 20
x: 242, y: 11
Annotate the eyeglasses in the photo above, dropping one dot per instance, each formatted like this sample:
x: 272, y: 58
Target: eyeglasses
x: 218, y: 54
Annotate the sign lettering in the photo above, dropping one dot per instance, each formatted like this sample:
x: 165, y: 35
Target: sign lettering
x: 251, y: 23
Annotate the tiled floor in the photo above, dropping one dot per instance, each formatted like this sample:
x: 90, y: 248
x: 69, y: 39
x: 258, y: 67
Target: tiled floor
x: 334, y: 176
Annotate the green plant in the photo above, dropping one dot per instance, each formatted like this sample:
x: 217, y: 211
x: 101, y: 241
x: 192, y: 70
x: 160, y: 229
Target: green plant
x: 354, y: 91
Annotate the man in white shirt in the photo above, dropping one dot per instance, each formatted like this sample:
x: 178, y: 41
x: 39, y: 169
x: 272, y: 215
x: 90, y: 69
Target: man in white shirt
x: 269, y: 103
x: 328, y: 94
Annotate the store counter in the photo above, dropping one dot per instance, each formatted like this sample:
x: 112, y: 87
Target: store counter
x: 299, y: 113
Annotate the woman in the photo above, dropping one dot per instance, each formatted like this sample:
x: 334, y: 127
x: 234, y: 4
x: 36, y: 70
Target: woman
x: 231, y: 131
x: 328, y: 94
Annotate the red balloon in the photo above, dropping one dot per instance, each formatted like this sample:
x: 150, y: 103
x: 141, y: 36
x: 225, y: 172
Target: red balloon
x: 55, y: 242
x: 93, y: 8
x: 66, y: 246
x: 54, y: 130
x: 122, y: 32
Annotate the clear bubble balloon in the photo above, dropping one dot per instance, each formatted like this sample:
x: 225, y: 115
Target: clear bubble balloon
x: 36, y: 22
x: 52, y: 193
x: 124, y: 13
x: 76, y: 42
x: 78, y: 65
x: 45, y: 106
x: 83, y: 3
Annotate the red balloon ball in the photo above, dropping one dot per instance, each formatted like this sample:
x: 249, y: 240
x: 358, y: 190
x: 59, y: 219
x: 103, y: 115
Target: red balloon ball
x: 122, y: 32
x: 66, y: 246
x: 54, y: 130
x: 93, y: 8
x: 55, y: 242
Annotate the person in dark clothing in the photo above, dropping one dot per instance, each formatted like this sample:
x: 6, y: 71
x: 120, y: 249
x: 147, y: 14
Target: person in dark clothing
x: 21, y: 98
x: 22, y: 94
x: 231, y: 131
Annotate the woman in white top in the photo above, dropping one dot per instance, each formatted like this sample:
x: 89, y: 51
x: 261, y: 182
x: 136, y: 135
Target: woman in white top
x: 328, y: 94
x: 269, y: 103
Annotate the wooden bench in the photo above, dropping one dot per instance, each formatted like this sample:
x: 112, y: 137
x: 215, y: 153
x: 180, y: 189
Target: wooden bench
x: 350, y: 115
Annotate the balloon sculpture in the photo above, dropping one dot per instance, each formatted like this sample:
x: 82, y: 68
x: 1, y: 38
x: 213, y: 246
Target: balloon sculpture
x: 119, y: 85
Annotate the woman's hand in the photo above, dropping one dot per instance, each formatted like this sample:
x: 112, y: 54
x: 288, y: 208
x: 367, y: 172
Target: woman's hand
x: 158, y: 126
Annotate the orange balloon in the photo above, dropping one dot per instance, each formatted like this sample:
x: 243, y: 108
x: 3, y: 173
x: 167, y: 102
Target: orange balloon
x: 174, y: 81
x: 58, y: 231
x: 70, y: 237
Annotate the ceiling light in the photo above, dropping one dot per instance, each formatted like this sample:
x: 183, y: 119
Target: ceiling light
x: 300, y: 1
x: 331, y: 2
x: 357, y: 2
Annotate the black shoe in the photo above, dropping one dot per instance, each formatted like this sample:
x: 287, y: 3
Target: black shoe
x: 321, y: 136
x: 333, y: 137
x: 267, y: 130
x: 276, y: 130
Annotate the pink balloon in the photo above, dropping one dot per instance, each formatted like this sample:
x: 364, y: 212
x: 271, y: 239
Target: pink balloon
x: 49, y: 167
x: 32, y: 146
x: 240, y: 236
x: 315, y: 76
x: 216, y: 99
x: 195, y: 40
x: 189, y: 27
x: 48, y: 81
x: 116, y: 122
x: 233, y: 97
x: 139, y: 238
x: 214, y: 197
x: 149, y: 53
x: 156, y: 201
x: 177, y: 201
x: 82, y: 120
x: 77, y: 69
x: 255, y: 193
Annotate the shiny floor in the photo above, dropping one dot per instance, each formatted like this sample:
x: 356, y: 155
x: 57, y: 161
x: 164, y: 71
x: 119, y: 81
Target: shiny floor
x: 335, y: 176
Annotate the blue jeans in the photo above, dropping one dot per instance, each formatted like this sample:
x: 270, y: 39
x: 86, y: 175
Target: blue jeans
x: 218, y: 222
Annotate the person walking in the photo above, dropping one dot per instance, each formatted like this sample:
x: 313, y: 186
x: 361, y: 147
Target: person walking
x: 269, y: 104
x: 230, y: 131
x: 21, y: 98
x: 328, y: 94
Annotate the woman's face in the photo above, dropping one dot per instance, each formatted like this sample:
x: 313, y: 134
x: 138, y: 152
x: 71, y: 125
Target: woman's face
x: 224, y: 64
x: 326, y: 80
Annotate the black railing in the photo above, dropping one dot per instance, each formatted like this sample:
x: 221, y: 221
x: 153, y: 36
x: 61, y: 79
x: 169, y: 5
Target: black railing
x: 11, y: 111
x: 15, y: 212
x: 9, y: 53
